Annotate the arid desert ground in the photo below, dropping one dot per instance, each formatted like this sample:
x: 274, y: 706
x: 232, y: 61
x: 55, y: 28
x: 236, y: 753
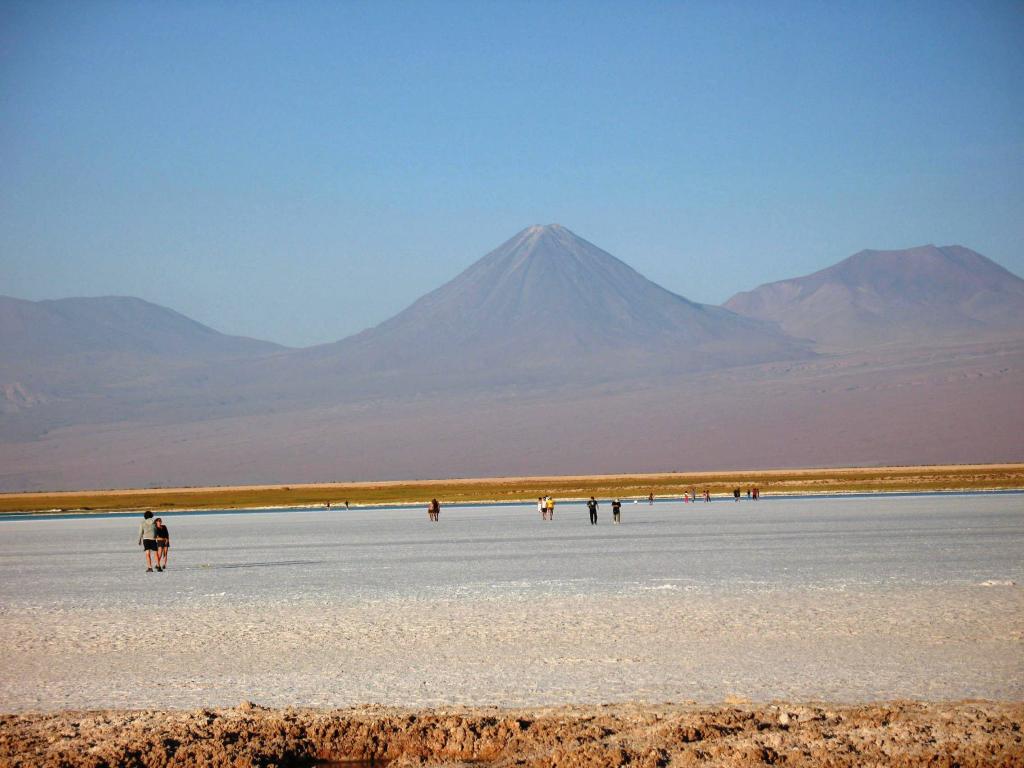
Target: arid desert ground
x: 815, y: 610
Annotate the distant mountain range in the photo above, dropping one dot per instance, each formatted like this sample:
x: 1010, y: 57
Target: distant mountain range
x: 547, y: 355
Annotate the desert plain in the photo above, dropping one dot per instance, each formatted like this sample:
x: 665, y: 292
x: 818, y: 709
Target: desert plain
x: 801, y: 630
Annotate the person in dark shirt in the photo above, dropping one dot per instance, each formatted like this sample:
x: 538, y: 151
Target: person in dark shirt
x: 592, y: 506
x: 163, y: 544
x: 616, y: 510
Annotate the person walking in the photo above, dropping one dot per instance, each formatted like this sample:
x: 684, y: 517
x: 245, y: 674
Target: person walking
x: 707, y: 495
x: 163, y: 544
x: 147, y: 540
x: 551, y: 508
x: 542, y: 508
x: 736, y: 494
x: 616, y: 511
x: 434, y: 510
x: 592, y: 506
x: 650, y: 498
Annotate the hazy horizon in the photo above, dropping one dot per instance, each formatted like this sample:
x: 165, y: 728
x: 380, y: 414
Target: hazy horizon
x: 735, y: 294
x: 300, y: 173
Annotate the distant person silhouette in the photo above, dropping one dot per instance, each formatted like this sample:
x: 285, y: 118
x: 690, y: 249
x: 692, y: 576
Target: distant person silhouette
x: 616, y: 511
x: 650, y: 498
x: 592, y: 506
x: 736, y: 494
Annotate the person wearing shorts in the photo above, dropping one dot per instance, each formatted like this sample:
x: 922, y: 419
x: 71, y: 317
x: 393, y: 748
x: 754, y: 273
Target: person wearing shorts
x: 616, y: 511
x: 163, y: 544
x: 147, y: 540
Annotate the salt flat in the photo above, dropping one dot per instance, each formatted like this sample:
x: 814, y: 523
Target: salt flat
x: 843, y: 599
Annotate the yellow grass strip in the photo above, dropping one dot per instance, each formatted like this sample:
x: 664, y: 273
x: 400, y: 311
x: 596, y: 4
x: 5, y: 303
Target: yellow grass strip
x: 839, y: 480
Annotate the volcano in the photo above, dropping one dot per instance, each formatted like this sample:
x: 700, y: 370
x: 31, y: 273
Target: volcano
x: 547, y: 302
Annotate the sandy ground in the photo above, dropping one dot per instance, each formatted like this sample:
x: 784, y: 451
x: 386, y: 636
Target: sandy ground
x: 901, y: 733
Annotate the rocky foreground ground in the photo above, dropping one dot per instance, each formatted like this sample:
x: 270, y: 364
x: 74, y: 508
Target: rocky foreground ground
x: 898, y: 733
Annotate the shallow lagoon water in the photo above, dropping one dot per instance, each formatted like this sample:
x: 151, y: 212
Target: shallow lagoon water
x: 812, y: 598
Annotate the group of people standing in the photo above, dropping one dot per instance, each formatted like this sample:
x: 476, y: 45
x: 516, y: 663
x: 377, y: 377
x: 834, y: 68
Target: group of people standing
x: 691, y: 495
x: 155, y: 541
x: 546, y: 507
x: 753, y: 493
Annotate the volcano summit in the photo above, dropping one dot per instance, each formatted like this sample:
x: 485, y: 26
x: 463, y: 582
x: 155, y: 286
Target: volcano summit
x: 548, y: 303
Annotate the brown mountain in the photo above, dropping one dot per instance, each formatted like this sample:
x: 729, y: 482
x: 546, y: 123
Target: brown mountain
x: 920, y: 295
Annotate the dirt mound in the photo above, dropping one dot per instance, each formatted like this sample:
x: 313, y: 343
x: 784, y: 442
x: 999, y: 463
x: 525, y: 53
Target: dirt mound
x: 894, y: 734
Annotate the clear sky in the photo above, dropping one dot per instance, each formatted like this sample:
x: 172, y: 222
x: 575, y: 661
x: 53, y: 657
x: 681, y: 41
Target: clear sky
x: 298, y: 171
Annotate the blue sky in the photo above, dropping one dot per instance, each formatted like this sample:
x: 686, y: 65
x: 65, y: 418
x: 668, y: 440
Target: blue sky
x: 298, y: 171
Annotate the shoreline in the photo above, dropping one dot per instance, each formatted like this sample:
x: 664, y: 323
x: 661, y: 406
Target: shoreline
x: 967, y: 733
x: 55, y: 514
x: 523, y: 490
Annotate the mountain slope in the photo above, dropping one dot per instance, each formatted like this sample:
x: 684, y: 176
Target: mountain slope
x: 921, y: 295
x: 547, y: 300
x: 31, y: 330
x: 84, y: 347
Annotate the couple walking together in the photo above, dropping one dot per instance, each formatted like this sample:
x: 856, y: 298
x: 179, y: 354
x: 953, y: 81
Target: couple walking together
x: 433, y: 510
x: 155, y: 542
x: 616, y: 511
